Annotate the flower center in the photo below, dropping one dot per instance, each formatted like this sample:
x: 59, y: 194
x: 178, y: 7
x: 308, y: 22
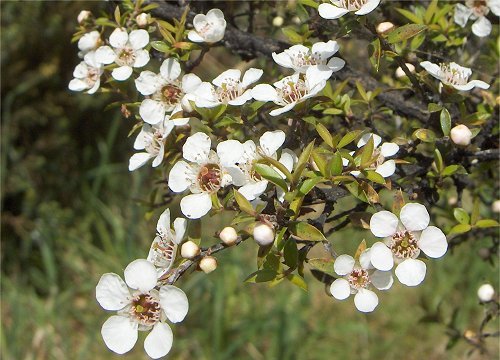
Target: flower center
x: 209, y: 177
x: 164, y: 250
x: 479, y: 7
x: 92, y: 76
x: 171, y: 94
x: 126, y: 56
x: 404, y: 245
x: 352, y: 5
x: 229, y: 90
x: 292, y: 92
x: 453, y: 76
x: 306, y: 59
x: 153, y: 142
x: 145, y: 309
x: 358, y: 278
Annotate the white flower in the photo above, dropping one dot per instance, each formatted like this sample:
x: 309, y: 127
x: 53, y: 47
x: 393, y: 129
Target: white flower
x: 292, y: 90
x: 140, y: 307
x: 127, y: 52
x: 229, y: 89
x: 453, y: 75
x: 164, y: 247
x: 87, y: 75
x: 381, y: 166
x: 300, y: 58
x: 342, y: 7
x: 208, y: 28
x: 152, y: 139
x: 403, y: 242
x: 357, y: 278
x: 269, y: 143
x: 205, y: 173
x: 477, y: 10
x: 167, y: 91
x: 89, y: 42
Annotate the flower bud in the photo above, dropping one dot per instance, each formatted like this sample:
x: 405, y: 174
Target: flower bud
x: 263, y: 234
x: 400, y: 73
x: 228, y: 236
x: 461, y: 135
x: 385, y: 27
x: 208, y: 264
x: 83, y: 15
x: 452, y: 200
x: 296, y: 20
x: 485, y: 293
x: 278, y: 21
x: 189, y: 250
x: 142, y: 19
x: 496, y: 206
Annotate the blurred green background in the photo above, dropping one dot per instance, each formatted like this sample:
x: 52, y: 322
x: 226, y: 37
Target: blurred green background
x: 71, y: 211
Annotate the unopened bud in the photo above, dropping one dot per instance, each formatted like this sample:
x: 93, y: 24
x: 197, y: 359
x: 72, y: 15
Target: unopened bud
x: 83, y: 16
x: 461, y: 135
x: 496, y: 206
x: 263, y: 234
x: 278, y: 21
x: 228, y: 236
x: 142, y: 19
x: 470, y: 335
x: 189, y: 250
x: 400, y: 73
x: 296, y: 20
x: 384, y: 27
x: 485, y: 293
x: 208, y: 264
x: 452, y: 200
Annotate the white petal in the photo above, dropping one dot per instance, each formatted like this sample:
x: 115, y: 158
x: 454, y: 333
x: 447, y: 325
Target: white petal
x: 119, y: 334
x: 138, y: 160
x: 105, y: 55
x: 288, y: 158
x: 229, y: 151
x: 195, y: 37
x: 481, y: 27
x: 140, y: 274
x: 389, y: 149
x: 365, y: 300
x: 200, y: 21
x: 178, y: 179
x: 381, y: 257
x: 325, y: 50
x: 88, y: 41
x: 383, y: 224
x: 251, y: 75
x: 205, y: 96
x: 111, y: 292
x: 283, y: 59
x: 366, y: 137
x: 81, y: 71
x: 368, y: 7
x: 494, y: 6
x: 316, y: 75
x: 335, y: 64
x: 271, y: 141
x: 147, y: 83
x: 141, y: 58
x: 237, y: 177
x: 386, y: 169
x: 118, y: 38
x: 240, y: 100
x: 462, y: 14
x: 253, y: 190
x: 180, y: 226
x: 215, y: 15
x: 197, y: 147
x: 411, y: 272
x: 328, y: 11
x: 170, y: 69
x: 382, y: 280
x: 343, y: 265
x: 340, y: 289
x: 95, y: 87
x: 264, y: 92
x: 139, y: 39
x: 163, y: 224
x: 365, y: 259
x: 195, y: 206
x: 472, y: 84
x: 152, y: 111
x: 121, y: 73
x: 282, y: 110
x: 414, y: 217
x: 174, y: 303
x: 77, y: 85
x: 433, y: 242
x: 432, y: 69
x: 159, y: 158
x: 231, y: 74
x: 159, y: 341
x: 190, y: 82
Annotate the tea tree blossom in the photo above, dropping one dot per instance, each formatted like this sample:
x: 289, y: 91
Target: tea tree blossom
x: 357, y: 278
x: 292, y: 90
x: 87, y: 75
x: 381, y: 166
x: 164, y: 247
x: 140, y: 307
x: 152, y: 138
x: 208, y: 28
x: 167, y: 91
x: 453, y: 75
x: 229, y: 89
x: 127, y: 52
x: 89, y: 42
x: 205, y: 172
x: 477, y: 10
x: 300, y: 58
x: 342, y: 7
x: 404, y: 239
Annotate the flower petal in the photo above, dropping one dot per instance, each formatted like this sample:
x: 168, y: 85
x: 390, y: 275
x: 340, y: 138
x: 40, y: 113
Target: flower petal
x: 140, y: 274
x: 229, y: 151
x: 227, y: 76
x: 340, y: 289
x: 118, y: 38
x: 335, y: 64
x: 472, y: 84
x: 414, y: 217
x: 253, y: 190
x: 170, y: 69
x: 121, y: 73
x: 368, y: 7
x: 366, y: 137
x: 386, y: 169
x: 381, y: 257
x: 383, y: 224
x: 138, y: 160
x: 382, y: 280
x: 343, y: 264
x: 119, y: 334
x: 111, y: 292
x: 174, y: 303
x: 282, y: 110
x: 105, y: 55
x: 195, y: 37
x: 138, y: 39
x: 77, y: 85
x: 195, y: 206
x: 365, y: 300
x: 147, y: 83
x: 152, y: 111
x: 159, y: 341
x: 179, y: 178
x: 432, y: 69
x: 251, y: 75
x: 163, y: 224
x: 481, y: 27
x: 283, y: 59
x: 271, y: 141
x: 180, y: 226
x: 141, y: 58
x: 328, y: 11
x: 411, y: 272
x: 433, y: 242
x: 190, y: 82
x: 389, y: 149
x: 197, y: 148
x: 264, y: 92
x: 462, y: 14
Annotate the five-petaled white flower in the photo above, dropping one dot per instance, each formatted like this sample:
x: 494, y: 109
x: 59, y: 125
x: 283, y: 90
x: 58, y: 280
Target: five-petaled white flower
x: 89, y: 42
x: 127, y: 52
x: 206, y: 172
x: 229, y: 88
x: 477, y: 10
x: 342, y: 7
x: 87, y: 75
x: 453, y: 75
x: 152, y: 139
x: 208, y: 28
x: 140, y: 307
x: 292, y: 90
x: 164, y: 247
x: 168, y: 92
x: 300, y: 58
x: 357, y: 278
x: 403, y: 242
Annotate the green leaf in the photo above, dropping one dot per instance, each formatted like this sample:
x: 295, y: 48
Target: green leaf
x: 278, y: 165
x: 160, y: 46
x: 375, y: 51
x: 461, y: 216
x: 308, y: 184
x: 290, y: 253
x: 263, y: 275
x: 270, y: 174
x: 434, y: 107
x: 325, y: 134
x: 292, y: 35
x: 325, y: 265
x: 438, y: 159
x: 445, y: 120
x: 404, y: 32
x: 452, y: 169
x: 302, y: 162
x: 431, y: 10
x: 410, y: 16
x: 367, y: 154
x: 336, y: 165
x: 243, y: 203
x: 425, y: 135
x: 375, y: 177
x: 485, y: 223
x: 348, y: 138
x: 474, y: 216
x: 310, y: 3
x: 304, y: 231
x: 460, y: 229
x: 362, y: 91
x: 297, y: 280
x: 356, y: 190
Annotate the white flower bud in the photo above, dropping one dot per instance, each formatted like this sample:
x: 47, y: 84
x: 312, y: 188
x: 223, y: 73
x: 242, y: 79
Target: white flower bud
x: 189, y: 250
x: 384, y: 27
x: 296, y: 20
x: 142, y: 19
x: 452, y: 200
x: 83, y: 15
x: 228, y: 236
x: 278, y: 21
x: 400, y: 73
x: 461, y: 135
x: 263, y: 234
x: 485, y: 293
x: 208, y: 264
x: 496, y: 206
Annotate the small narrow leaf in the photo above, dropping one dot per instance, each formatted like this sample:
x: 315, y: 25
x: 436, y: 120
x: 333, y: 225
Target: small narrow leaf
x: 270, y: 174
x: 290, y: 253
x: 445, y: 120
x: 485, y: 223
x: 461, y: 216
x: 325, y: 134
x: 348, y: 138
x: 304, y: 231
x: 404, y: 32
x: 243, y: 203
x: 298, y: 281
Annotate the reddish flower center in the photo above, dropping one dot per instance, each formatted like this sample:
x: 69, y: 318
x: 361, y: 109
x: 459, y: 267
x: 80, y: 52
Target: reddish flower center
x: 209, y: 177
x: 404, y: 245
x: 145, y: 309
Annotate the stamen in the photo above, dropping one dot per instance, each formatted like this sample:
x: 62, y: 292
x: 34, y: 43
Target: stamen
x: 210, y: 178
x: 145, y: 309
x: 359, y: 278
x: 453, y: 76
x: 404, y: 245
